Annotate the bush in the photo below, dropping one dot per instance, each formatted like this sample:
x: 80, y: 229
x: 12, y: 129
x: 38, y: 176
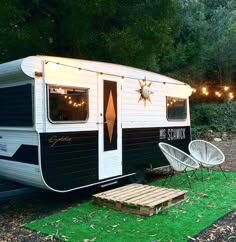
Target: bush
x: 212, y: 117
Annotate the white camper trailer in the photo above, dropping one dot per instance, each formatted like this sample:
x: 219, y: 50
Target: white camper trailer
x: 67, y: 123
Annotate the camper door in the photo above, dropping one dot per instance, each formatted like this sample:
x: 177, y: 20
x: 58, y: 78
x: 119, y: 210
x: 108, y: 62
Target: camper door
x: 109, y: 128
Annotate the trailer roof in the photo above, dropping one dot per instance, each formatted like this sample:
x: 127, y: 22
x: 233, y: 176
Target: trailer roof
x: 29, y: 65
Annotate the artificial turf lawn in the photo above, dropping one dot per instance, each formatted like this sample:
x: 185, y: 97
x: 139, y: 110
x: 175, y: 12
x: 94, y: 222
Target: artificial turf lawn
x: 206, y: 202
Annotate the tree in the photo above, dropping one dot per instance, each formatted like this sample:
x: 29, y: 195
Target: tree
x: 130, y: 32
x: 222, y: 42
x: 204, y: 51
x: 186, y: 59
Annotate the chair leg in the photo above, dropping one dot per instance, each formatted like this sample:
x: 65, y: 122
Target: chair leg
x: 208, y: 170
x: 170, y: 174
x: 194, y: 174
x: 202, y: 174
x: 210, y: 174
x: 223, y: 172
x: 188, y: 179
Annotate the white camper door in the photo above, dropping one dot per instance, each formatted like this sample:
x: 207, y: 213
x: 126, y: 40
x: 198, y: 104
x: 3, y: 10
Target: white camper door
x: 110, y: 140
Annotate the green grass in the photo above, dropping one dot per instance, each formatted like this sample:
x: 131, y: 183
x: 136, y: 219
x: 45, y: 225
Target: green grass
x: 207, y: 201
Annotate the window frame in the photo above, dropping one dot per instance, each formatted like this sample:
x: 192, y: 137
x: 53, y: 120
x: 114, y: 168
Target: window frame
x: 48, y: 86
x: 186, y: 109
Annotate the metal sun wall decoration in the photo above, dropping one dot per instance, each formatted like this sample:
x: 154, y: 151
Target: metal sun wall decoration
x: 145, y: 91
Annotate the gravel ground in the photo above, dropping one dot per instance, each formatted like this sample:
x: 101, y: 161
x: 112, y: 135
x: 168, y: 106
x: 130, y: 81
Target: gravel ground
x: 15, y: 212
x: 224, y: 230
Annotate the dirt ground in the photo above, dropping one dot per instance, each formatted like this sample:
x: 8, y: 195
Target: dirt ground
x: 221, y: 231
x: 15, y: 212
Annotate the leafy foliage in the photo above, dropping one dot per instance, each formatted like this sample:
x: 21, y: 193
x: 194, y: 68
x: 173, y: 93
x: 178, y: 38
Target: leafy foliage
x: 135, y: 33
x: 216, y: 117
x: 194, y: 41
x: 205, y: 48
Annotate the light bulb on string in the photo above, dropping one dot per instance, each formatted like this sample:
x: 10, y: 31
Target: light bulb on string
x: 226, y: 88
x: 204, y: 90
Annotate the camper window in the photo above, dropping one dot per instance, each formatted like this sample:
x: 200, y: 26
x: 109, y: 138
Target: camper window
x: 67, y: 104
x: 17, y: 106
x: 176, y: 108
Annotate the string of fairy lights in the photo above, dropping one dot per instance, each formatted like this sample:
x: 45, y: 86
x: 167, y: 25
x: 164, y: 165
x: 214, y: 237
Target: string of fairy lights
x: 219, y: 92
x: 226, y: 92
x: 54, y: 65
x: 73, y: 103
x: 69, y: 99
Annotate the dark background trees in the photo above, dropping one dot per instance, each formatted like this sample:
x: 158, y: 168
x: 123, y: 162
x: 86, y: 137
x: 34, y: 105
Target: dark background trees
x: 192, y: 40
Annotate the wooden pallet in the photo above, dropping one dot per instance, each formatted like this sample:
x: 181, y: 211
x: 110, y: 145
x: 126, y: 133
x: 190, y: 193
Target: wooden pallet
x: 140, y: 199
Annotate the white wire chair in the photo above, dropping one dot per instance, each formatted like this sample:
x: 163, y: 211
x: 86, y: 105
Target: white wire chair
x: 206, y: 154
x: 179, y: 160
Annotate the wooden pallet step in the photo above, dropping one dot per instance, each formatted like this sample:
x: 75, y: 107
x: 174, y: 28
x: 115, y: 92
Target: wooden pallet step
x: 132, y: 194
x: 119, y: 189
x: 162, y: 195
x: 140, y: 199
x: 146, y: 196
x: 120, y: 192
x: 171, y: 198
x: 124, y: 194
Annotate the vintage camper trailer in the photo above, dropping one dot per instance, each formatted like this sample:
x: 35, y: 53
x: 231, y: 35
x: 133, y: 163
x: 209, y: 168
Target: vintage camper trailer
x: 66, y: 123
